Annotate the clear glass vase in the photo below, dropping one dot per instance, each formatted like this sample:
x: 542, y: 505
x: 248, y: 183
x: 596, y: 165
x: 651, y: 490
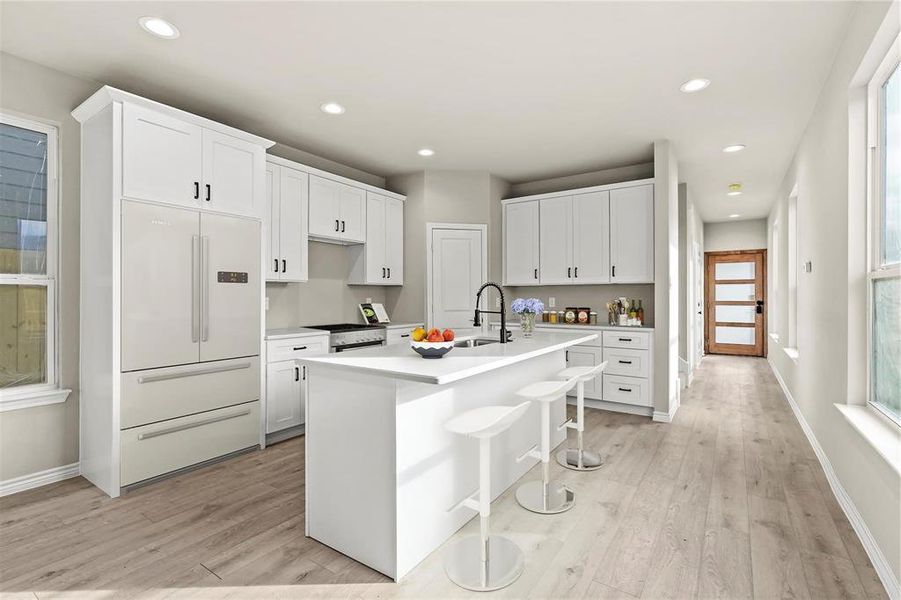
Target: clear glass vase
x: 527, y: 322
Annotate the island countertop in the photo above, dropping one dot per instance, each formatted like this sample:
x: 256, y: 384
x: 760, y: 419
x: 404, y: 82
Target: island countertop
x: 399, y: 361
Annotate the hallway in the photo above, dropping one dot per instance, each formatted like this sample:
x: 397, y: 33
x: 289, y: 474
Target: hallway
x: 727, y: 501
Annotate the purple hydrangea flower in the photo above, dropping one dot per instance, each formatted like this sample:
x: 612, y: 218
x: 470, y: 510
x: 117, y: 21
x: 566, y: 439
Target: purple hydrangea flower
x: 527, y: 305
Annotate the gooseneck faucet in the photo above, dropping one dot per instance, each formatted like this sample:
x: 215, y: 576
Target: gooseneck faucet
x: 476, y: 321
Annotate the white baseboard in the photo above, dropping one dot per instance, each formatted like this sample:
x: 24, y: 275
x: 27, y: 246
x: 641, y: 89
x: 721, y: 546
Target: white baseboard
x: 33, y: 480
x: 874, y: 553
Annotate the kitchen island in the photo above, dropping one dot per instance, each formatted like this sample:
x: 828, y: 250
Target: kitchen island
x: 383, y: 477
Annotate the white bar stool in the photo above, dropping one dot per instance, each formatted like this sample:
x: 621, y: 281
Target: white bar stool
x: 545, y: 497
x: 578, y: 458
x: 482, y: 563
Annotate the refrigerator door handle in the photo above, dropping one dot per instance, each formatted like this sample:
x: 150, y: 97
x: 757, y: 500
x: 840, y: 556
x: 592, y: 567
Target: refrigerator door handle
x: 205, y: 288
x: 195, y: 293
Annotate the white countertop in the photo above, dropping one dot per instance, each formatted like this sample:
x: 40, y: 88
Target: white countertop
x: 293, y: 332
x: 401, y: 362
x: 564, y: 326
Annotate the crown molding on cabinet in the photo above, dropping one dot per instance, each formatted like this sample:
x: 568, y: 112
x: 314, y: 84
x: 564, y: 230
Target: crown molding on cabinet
x: 584, y: 190
x: 278, y: 160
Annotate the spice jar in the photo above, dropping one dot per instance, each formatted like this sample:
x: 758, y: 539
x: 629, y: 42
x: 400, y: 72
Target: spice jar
x: 593, y: 318
x: 552, y: 316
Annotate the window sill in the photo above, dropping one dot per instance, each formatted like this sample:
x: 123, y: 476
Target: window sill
x: 882, y: 435
x: 792, y: 354
x: 31, y: 398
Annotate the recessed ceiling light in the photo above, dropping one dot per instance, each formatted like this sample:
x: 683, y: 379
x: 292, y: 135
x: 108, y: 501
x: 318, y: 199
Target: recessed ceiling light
x: 425, y: 152
x: 734, y: 216
x: 159, y: 27
x: 734, y: 148
x: 694, y: 85
x: 734, y: 189
x: 733, y: 193
x: 332, y: 108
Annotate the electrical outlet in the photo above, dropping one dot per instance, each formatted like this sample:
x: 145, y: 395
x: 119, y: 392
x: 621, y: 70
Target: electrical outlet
x: 551, y: 302
x: 368, y: 300
x: 497, y: 303
x: 267, y: 302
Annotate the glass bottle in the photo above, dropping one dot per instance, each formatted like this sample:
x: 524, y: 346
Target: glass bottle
x: 640, y: 312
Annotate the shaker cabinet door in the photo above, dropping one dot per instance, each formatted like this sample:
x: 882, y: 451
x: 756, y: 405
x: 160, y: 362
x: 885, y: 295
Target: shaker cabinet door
x: 284, y: 407
x: 324, y: 202
x: 586, y: 356
x: 556, y: 223
x: 231, y: 171
x: 591, y: 238
x: 352, y: 210
x: 521, y: 239
x: 271, y: 223
x: 632, y: 234
x: 394, y: 240
x: 376, y: 263
x: 294, y: 256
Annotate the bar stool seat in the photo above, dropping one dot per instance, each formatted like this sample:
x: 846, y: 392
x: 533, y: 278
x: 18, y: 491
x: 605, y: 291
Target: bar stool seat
x: 579, y: 459
x: 483, y: 563
x: 545, y: 497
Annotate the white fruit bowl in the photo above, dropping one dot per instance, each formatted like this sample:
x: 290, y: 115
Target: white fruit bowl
x: 432, y: 349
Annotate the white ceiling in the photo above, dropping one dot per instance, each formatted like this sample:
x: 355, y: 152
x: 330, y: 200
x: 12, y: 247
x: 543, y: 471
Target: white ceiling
x: 522, y: 90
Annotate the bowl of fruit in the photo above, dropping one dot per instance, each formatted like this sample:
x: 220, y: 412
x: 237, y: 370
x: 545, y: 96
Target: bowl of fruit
x: 432, y: 343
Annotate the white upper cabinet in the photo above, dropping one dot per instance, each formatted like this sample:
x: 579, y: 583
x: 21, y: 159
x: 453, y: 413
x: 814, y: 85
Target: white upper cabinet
x: 590, y: 237
x: 597, y: 235
x: 380, y: 261
x: 286, y: 224
x: 232, y: 174
x: 521, y: 257
x: 170, y: 160
x: 337, y: 211
x: 632, y: 234
x: 556, y: 251
x: 161, y: 157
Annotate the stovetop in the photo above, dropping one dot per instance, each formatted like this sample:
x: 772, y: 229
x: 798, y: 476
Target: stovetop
x: 339, y: 327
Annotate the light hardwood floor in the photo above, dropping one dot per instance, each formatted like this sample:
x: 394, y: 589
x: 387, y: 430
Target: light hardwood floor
x: 728, y: 501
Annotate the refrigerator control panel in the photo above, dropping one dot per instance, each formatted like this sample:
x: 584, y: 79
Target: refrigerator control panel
x: 231, y: 277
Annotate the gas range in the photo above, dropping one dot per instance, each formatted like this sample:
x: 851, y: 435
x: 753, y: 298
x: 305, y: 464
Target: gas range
x: 348, y: 336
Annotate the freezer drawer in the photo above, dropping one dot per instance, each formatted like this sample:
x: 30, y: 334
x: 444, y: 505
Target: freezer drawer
x: 625, y: 361
x: 160, y: 394
x: 157, y: 449
x: 628, y: 390
x: 640, y: 340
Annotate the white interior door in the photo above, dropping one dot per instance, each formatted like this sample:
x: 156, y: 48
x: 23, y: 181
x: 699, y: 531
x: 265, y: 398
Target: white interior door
x: 591, y: 238
x: 161, y: 157
x: 456, y: 275
x: 376, y: 265
x: 556, y: 223
x: 160, y: 286
x: 230, y: 169
x: 394, y: 240
x: 521, y: 243
x: 293, y: 235
x: 271, y: 223
x: 230, y: 287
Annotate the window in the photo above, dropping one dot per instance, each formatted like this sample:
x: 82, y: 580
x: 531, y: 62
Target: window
x: 28, y: 208
x: 884, y: 277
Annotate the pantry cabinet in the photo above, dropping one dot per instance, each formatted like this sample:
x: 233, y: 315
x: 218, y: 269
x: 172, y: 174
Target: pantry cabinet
x: 337, y: 211
x: 380, y: 261
x: 285, y: 224
x: 603, y: 234
x: 174, y: 161
x: 521, y: 243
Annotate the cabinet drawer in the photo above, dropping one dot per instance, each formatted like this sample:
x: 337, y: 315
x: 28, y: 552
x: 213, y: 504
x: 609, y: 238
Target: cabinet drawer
x: 628, y: 390
x: 156, y: 449
x: 160, y: 394
x: 640, y: 340
x: 398, y: 336
x: 291, y: 348
x: 625, y: 361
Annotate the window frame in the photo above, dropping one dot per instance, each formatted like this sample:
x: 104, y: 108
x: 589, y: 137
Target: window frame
x: 47, y: 392
x: 875, y: 142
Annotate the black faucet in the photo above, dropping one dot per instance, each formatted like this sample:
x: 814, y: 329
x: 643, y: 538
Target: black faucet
x: 476, y: 322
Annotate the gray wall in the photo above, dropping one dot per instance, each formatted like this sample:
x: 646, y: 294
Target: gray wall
x: 831, y: 310
x: 735, y: 235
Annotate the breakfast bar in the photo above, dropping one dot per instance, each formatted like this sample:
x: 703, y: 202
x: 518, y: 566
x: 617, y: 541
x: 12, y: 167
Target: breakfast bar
x: 383, y: 477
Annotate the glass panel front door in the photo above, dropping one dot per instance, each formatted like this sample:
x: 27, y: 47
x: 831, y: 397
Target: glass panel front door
x: 735, y: 298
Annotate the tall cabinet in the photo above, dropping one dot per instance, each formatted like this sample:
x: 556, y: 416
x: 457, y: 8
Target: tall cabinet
x: 380, y: 261
x: 171, y: 289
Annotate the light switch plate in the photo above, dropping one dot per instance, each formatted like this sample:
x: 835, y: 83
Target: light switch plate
x: 551, y: 302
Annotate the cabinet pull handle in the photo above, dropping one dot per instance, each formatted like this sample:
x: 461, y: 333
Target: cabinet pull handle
x: 159, y: 432
x: 625, y: 339
x: 576, y: 272
x: 208, y: 192
x: 389, y: 272
x: 207, y: 371
x: 336, y: 224
x: 625, y: 362
x: 567, y: 356
x: 300, y: 347
x: 405, y: 335
x: 296, y: 373
x: 625, y: 390
x: 536, y: 273
x: 284, y: 266
x: 569, y: 272
x: 196, y: 190
x: 304, y: 371
x: 383, y: 272
x: 276, y: 265
x: 205, y: 288
x: 195, y: 293
x: 342, y: 226
x: 613, y: 271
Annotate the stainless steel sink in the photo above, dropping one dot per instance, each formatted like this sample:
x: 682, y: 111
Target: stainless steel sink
x: 474, y: 342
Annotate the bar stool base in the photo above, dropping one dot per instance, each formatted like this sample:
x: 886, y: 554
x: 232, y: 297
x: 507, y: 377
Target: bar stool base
x: 463, y: 563
x: 569, y: 458
x: 531, y: 496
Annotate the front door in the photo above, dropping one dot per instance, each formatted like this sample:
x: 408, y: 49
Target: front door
x: 735, y: 297
x: 456, y: 274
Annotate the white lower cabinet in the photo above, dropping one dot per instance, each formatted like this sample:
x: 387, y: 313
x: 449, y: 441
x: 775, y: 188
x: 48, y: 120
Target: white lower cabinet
x: 285, y: 379
x: 586, y: 356
x: 400, y: 335
x: 627, y: 390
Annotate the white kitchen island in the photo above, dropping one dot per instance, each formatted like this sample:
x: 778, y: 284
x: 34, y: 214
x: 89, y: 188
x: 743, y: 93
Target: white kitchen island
x: 382, y: 474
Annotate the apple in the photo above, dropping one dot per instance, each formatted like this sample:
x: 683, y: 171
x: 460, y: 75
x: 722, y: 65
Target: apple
x: 448, y: 335
x: 435, y: 336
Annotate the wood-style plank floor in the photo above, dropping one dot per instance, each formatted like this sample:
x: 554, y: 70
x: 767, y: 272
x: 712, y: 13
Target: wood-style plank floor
x: 728, y: 501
